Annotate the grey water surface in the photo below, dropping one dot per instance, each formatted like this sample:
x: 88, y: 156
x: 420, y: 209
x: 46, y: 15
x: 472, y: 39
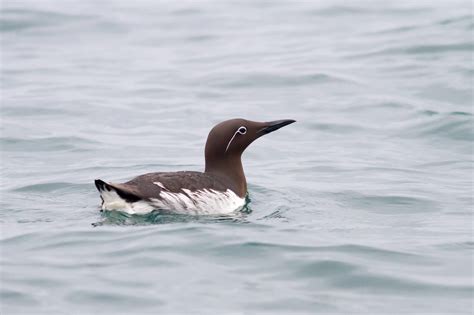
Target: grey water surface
x: 363, y: 206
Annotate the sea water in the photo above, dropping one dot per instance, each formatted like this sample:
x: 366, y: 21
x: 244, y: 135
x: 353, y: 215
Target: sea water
x: 363, y: 206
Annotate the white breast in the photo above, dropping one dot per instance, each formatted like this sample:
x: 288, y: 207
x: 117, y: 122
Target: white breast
x: 206, y: 201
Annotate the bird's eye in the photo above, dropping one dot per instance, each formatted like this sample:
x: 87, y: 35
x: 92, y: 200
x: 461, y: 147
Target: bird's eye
x: 242, y: 130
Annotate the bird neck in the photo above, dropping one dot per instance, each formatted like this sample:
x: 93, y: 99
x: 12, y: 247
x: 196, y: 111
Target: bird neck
x: 232, y: 173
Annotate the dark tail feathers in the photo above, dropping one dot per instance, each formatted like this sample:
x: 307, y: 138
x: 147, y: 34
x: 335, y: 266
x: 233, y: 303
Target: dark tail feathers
x: 101, y: 185
x: 122, y: 192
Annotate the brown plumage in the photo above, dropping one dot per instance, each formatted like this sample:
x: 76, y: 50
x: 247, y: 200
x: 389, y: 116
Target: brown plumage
x: 223, y: 171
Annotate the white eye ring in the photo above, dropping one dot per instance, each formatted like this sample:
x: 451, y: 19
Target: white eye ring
x: 241, y: 131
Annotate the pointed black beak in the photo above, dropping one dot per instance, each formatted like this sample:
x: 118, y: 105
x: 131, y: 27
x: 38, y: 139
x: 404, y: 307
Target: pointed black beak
x: 275, y: 125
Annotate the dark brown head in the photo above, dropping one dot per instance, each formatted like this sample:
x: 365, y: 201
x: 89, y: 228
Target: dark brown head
x: 227, y: 141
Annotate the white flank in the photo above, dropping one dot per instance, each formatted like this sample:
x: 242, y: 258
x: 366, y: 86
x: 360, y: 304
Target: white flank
x: 113, y: 202
x: 200, y: 202
x: 188, y: 202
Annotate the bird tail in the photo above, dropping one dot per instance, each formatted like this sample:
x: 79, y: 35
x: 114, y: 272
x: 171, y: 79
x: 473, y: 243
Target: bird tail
x: 105, y: 189
x: 102, y: 186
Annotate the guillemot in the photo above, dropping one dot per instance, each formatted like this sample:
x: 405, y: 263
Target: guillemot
x: 220, y: 189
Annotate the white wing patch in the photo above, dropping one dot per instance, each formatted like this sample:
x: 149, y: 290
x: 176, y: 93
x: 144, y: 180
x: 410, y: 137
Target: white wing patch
x: 206, y: 201
x: 160, y: 185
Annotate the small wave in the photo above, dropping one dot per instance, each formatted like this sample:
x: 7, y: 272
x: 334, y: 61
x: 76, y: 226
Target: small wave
x: 338, y: 10
x: 360, y: 250
x: 200, y: 38
x: 416, y: 50
x: 113, y: 300
x: 335, y: 128
x: 278, y: 214
x: 55, y: 237
x: 445, y: 164
x: 460, y: 114
x: 386, y: 203
x: 429, y: 49
x: 455, y: 125
x: 323, y: 269
x: 267, y: 80
x: 12, y: 20
x: 36, y: 111
x: 380, y: 283
x: 46, y: 144
x: 52, y: 187
x: 455, y: 20
x: 15, y: 297
x: 395, y: 30
x: 456, y: 246
x: 413, y: 27
x: 372, y: 252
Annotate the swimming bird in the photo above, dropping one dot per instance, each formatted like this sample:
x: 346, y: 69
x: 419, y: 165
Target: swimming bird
x: 220, y: 189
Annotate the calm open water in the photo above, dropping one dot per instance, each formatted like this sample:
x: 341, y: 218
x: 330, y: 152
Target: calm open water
x: 363, y: 206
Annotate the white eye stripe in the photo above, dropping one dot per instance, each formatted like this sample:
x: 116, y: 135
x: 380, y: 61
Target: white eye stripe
x: 241, y: 131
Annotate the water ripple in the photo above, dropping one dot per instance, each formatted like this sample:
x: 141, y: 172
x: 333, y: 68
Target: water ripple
x: 47, y: 144
x: 363, y: 206
x: 275, y: 80
x: 13, y: 20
